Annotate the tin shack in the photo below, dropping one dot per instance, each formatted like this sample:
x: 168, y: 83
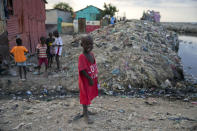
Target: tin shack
x: 24, y: 19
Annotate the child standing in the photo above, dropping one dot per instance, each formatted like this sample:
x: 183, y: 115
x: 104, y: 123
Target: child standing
x: 19, y: 57
x: 58, y: 48
x: 87, y: 76
x: 50, y: 51
x: 42, y: 54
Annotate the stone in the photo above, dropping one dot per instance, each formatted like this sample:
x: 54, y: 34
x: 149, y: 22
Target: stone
x: 19, y: 126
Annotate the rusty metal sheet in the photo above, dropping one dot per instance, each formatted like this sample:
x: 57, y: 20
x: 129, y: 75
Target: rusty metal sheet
x: 28, y: 21
x: 12, y: 27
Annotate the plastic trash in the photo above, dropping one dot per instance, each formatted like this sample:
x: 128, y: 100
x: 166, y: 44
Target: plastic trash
x: 115, y: 71
x: 29, y: 93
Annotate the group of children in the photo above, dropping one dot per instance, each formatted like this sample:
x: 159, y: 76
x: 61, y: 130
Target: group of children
x: 87, y: 68
x: 46, y: 50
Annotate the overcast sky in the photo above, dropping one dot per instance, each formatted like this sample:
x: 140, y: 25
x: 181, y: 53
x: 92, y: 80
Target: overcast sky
x: 170, y: 10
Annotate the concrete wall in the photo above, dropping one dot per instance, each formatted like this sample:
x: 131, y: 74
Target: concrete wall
x: 66, y: 16
x: 51, y: 28
x: 51, y: 17
x: 67, y: 28
x: 75, y: 25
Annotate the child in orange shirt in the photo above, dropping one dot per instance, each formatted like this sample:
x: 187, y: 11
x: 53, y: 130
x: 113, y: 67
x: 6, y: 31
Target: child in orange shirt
x: 19, y: 57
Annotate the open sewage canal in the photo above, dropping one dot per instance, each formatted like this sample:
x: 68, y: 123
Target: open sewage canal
x: 188, y: 54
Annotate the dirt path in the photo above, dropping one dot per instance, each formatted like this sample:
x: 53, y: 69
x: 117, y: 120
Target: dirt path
x: 113, y: 114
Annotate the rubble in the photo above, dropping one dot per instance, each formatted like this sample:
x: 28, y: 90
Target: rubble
x: 134, y: 58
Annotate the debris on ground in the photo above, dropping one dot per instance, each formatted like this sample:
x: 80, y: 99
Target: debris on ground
x: 135, y: 58
x: 125, y: 115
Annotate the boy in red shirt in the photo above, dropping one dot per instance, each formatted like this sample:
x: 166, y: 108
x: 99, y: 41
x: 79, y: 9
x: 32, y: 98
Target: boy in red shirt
x: 42, y: 54
x: 87, y: 76
x: 19, y: 57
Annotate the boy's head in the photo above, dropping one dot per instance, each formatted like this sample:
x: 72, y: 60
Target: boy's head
x: 56, y: 34
x: 42, y: 40
x: 87, y: 43
x: 50, y: 35
x: 18, y: 41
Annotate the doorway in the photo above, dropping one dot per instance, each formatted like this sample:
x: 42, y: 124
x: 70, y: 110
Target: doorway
x: 82, y: 25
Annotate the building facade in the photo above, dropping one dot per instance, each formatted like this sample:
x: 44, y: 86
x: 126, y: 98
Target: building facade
x: 87, y: 19
x: 57, y: 19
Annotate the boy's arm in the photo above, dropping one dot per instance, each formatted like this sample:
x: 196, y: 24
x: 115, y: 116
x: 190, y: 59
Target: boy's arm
x: 91, y: 82
x: 37, y: 51
x: 60, y: 42
x: 25, y: 51
x: 12, y: 50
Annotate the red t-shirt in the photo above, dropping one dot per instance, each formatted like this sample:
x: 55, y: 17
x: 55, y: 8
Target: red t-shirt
x: 87, y: 92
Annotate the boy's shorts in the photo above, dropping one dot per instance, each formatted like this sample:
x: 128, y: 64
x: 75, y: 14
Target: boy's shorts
x: 21, y: 63
x: 49, y: 55
x: 43, y: 60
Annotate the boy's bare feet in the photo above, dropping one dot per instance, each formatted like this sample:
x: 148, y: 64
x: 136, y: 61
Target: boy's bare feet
x: 77, y: 117
x: 91, y: 113
x: 88, y: 120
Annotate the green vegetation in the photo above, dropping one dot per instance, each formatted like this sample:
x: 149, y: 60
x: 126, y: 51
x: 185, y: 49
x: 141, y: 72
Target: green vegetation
x: 64, y: 6
x: 109, y: 10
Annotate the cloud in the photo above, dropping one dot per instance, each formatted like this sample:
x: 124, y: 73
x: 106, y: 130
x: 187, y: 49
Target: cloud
x: 78, y: 4
x: 158, y: 3
x: 170, y: 10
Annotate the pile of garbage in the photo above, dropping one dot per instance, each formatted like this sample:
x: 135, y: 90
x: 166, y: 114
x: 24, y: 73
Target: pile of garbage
x: 135, y: 54
x: 136, y: 58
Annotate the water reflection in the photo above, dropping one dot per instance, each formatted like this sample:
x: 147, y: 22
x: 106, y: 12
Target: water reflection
x: 188, y: 54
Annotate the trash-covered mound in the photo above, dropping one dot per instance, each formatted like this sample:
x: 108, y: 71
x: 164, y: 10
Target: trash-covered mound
x: 131, y: 54
x: 135, y: 54
x: 135, y: 58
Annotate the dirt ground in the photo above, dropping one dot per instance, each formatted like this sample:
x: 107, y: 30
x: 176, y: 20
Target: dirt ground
x: 120, y: 113
x: 112, y: 114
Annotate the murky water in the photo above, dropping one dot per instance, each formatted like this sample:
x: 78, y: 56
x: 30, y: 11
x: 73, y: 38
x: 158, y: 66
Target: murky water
x: 188, y: 54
